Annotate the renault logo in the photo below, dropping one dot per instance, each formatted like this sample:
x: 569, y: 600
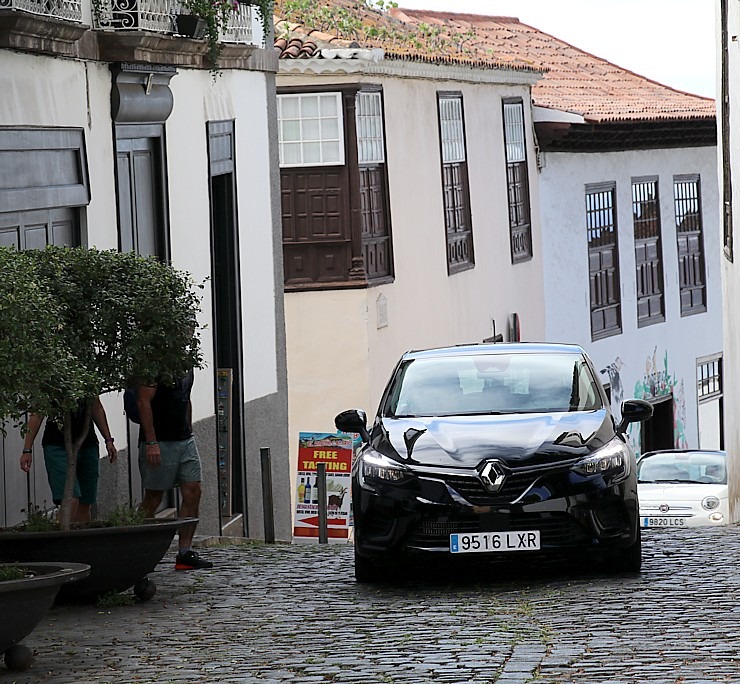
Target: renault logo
x: 492, y: 476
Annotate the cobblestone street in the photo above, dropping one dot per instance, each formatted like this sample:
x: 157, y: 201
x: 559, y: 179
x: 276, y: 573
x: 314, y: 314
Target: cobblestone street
x: 293, y: 613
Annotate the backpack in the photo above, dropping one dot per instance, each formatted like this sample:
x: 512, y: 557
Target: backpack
x: 131, y: 404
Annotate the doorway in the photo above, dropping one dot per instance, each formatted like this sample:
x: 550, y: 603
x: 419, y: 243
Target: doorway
x: 227, y: 328
x: 657, y: 432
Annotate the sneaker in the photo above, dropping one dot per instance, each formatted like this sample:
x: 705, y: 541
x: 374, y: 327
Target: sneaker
x: 191, y: 561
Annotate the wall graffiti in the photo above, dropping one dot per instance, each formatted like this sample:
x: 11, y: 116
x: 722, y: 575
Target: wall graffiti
x: 658, y: 382
x: 614, y: 371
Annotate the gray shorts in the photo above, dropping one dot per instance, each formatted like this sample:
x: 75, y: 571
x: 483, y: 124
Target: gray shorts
x: 180, y: 463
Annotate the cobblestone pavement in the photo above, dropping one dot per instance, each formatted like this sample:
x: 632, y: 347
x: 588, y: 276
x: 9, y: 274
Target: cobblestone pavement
x: 293, y: 613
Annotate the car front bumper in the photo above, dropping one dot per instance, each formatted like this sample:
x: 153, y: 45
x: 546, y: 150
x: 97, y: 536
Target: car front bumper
x: 569, y: 511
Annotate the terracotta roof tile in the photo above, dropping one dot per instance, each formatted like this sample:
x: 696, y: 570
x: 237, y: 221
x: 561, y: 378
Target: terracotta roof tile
x: 352, y: 23
x: 574, y: 80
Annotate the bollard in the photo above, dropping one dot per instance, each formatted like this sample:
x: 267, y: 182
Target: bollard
x: 268, y: 514
x: 321, y: 484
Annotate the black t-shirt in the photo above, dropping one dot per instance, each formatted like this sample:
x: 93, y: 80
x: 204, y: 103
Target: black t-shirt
x: 54, y: 435
x: 171, y: 411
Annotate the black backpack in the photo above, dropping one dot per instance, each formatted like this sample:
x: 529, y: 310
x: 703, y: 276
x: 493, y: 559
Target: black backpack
x: 131, y: 404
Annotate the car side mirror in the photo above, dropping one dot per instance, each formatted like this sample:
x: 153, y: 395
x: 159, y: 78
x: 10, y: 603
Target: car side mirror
x: 353, y: 420
x: 634, y: 411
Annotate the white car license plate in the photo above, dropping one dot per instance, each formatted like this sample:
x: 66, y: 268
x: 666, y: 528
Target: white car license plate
x: 482, y: 542
x: 670, y: 521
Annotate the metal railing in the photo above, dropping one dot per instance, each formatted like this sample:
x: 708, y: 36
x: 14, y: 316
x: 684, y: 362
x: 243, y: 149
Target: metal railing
x: 133, y: 15
x: 69, y: 10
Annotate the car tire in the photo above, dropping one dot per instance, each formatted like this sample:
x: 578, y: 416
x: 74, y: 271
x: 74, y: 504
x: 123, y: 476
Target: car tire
x: 366, y: 571
x: 628, y: 559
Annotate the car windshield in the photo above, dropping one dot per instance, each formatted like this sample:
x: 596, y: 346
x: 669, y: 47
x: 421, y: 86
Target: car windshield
x: 493, y: 383
x: 687, y: 467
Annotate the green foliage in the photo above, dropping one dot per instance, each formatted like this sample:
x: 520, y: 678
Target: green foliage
x: 11, y: 572
x: 37, y: 520
x: 113, y: 599
x: 125, y: 514
x: 76, y: 323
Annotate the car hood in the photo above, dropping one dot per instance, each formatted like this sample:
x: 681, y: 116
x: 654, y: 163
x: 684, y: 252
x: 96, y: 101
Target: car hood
x: 516, y: 439
x: 666, y: 493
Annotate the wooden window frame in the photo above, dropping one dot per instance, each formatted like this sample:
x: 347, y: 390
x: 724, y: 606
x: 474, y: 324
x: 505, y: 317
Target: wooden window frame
x: 604, y: 283
x: 456, y: 193
x: 647, y: 228
x: 517, y: 183
x: 303, y: 139
x: 690, y: 246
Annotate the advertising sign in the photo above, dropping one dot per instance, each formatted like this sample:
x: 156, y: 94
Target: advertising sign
x: 335, y: 450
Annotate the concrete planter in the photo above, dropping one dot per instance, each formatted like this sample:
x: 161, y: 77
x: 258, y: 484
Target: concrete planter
x: 119, y: 557
x: 23, y: 602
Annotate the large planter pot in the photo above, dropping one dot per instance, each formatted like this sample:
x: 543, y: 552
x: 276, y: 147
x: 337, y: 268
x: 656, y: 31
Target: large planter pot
x: 119, y: 557
x: 23, y: 602
x: 190, y: 25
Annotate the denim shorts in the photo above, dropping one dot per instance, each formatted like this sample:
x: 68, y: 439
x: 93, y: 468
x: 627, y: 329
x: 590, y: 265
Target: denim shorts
x: 180, y: 463
x: 88, y: 468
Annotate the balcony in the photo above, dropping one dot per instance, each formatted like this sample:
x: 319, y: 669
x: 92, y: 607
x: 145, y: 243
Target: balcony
x: 122, y: 30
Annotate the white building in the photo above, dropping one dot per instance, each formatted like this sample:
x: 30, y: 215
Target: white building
x: 559, y: 166
x: 115, y: 134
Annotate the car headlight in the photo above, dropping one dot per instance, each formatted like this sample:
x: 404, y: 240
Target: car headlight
x: 374, y: 467
x: 612, y: 461
x: 709, y: 503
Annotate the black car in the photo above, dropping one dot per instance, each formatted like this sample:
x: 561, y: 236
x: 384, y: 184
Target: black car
x: 494, y: 448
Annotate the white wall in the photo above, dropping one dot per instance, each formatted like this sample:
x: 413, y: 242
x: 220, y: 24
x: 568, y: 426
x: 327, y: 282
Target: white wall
x: 338, y: 356
x: 640, y: 350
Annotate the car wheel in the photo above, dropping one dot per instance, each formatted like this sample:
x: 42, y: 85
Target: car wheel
x: 366, y: 571
x: 628, y: 559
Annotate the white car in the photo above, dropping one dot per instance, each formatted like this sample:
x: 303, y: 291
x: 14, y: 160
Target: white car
x: 683, y: 488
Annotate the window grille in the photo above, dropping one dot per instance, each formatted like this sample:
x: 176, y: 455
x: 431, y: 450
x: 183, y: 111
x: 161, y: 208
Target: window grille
x: 603, y: 256
x: 370, y: 140
x: 455, y: 188
x: 517, y: 179
x: 690, y: 239
x: 648, y: 251
x: 709, y: 378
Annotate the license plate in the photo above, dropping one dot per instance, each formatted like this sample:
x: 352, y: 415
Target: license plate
x: 663, y: 522
x: 485, y: 542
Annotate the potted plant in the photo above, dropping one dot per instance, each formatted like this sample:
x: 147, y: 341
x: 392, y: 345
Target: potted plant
x: 27, y: 591
x: 77, y: 323
x: 216, y: 14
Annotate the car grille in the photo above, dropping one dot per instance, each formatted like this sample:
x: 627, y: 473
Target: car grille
x: 556, y: 529
x: 472, y: 489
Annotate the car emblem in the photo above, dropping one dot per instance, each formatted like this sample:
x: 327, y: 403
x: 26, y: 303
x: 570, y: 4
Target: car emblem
x: 664, y: 508
x: 492, y: 476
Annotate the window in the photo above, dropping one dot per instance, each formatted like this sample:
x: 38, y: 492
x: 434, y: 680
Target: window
x: 690, y: 239
x: 603, y: 261
x: 709, y: 377
x: 456, y: 193
x: 518, y: 182
x: 648, y: 251
x: 310, y: 130
x: 374, y: 209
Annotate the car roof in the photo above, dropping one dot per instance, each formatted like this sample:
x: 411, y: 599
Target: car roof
x: 683, y: 451
x: 496, y: 348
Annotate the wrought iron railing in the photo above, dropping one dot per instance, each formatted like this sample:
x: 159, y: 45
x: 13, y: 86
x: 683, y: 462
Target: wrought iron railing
x: 140, y: 15
x: 69, y: 10
x: 239, y: 28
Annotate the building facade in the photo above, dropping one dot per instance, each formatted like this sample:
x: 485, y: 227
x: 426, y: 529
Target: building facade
x: 116, y: 134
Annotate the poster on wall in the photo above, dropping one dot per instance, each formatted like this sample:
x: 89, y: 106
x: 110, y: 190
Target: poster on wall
x: 335, y: 450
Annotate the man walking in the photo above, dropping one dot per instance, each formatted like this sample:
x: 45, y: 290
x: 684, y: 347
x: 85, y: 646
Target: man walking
x: 168, y: 457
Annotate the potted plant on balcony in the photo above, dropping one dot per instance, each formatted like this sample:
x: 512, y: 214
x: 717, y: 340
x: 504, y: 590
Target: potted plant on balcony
x: 77, y: 323
x: 215, y: 15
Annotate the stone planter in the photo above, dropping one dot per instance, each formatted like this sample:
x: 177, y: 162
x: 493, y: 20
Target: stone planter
x: 119, y: 557
x: 24, y: 602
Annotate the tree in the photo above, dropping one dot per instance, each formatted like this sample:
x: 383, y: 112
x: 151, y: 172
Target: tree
x: 76, y: 323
